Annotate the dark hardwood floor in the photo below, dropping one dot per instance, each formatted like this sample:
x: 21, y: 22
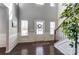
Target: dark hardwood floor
x: 38, y: 48
x: 2, y: 51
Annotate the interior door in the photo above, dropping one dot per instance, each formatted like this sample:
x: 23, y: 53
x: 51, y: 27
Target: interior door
x: 39, y: 27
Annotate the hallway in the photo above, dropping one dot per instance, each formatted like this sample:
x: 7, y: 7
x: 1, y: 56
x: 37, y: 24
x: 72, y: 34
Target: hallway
x: 25, y: 23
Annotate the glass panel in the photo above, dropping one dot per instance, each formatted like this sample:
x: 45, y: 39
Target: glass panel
x: 52, y: 27
x: 39, y: 27
x: 24, y: 27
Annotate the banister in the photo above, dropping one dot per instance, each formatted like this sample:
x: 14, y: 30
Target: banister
x: 55, y: 32
x: 57, y: 29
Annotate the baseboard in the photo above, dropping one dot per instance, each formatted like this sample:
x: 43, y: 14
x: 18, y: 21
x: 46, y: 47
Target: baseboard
x: 8, y: 51
x: 2, y: 47
x: 52, y: 41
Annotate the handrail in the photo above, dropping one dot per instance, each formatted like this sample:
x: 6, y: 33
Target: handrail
x: 56, y: 30
x: 60, y: 25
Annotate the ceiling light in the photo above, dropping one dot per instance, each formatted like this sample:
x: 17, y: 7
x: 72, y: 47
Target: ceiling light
x: 40, y: 3
x: 52, y: 4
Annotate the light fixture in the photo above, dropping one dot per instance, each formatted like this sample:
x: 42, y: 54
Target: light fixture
x: 40, y: 3
x: 52, y: 4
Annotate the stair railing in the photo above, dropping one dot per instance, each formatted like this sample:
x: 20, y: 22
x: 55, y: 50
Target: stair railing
x: 58, y: 35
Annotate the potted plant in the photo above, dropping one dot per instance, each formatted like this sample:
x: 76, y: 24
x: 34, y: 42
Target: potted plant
x: 70, y: 25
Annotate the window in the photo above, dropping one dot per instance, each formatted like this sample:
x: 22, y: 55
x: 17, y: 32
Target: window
x: 39, y: 27
x: 52, y: 27
x: 24, y: 27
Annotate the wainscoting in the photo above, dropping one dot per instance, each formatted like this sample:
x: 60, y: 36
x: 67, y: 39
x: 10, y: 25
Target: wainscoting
x: 33, y: 37
x: 3, y: 39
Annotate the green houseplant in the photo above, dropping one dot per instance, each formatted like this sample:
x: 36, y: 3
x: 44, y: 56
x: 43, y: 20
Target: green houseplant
x: 70, y: 25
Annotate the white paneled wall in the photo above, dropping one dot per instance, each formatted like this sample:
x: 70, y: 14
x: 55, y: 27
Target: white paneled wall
x: 33, y: 38
x: 3, y: 25
x: 2, y: 40
x: 12, y: 40
x: 12, y: 37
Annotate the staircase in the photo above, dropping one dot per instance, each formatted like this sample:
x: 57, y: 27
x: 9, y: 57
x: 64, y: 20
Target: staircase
x: 62, y: 43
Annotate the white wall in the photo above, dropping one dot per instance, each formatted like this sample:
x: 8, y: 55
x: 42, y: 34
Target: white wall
x: 13, y: 35
x: 3, y: 25
x: 33, y: 12
x: 35, y: 38
x: 61, y: 8
x: 60, y: 35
